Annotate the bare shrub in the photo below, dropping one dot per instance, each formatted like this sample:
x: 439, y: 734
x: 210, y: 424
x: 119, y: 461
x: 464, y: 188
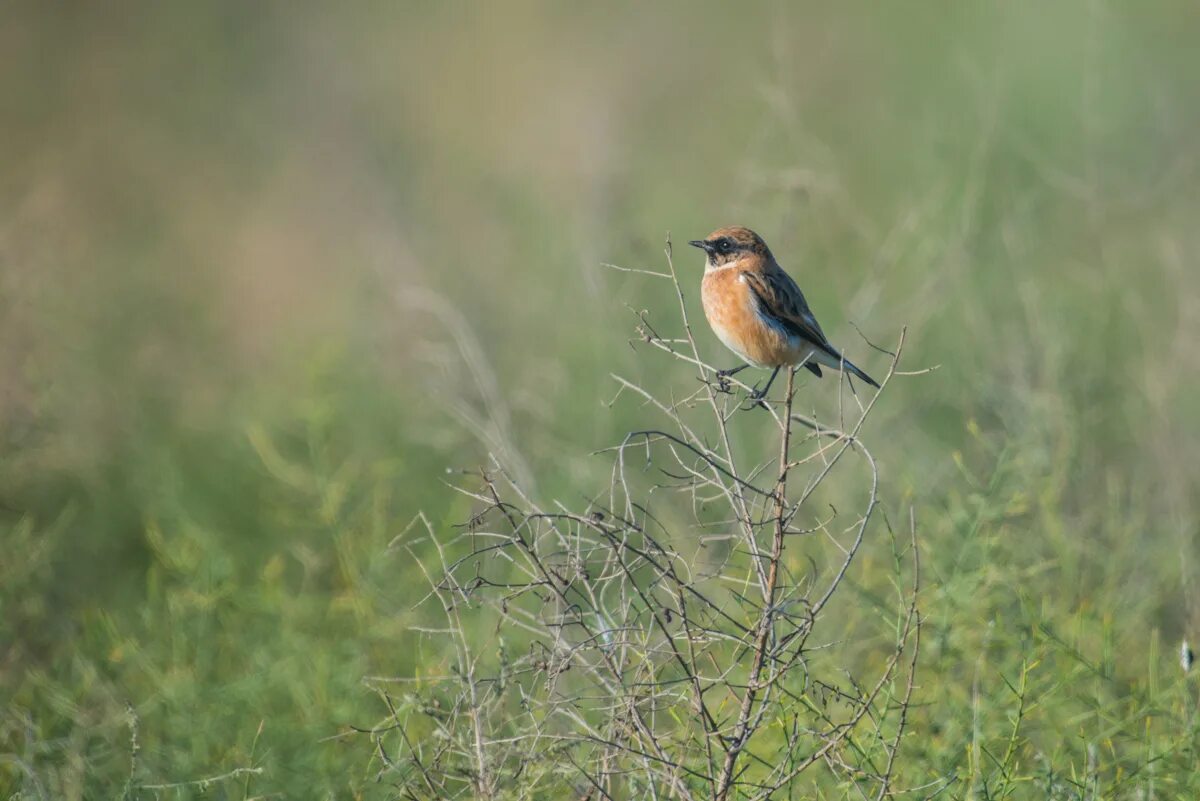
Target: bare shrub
x: 677, y: 637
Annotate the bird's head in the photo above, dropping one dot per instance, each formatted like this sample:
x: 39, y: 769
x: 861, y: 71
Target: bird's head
x: 728, y: 245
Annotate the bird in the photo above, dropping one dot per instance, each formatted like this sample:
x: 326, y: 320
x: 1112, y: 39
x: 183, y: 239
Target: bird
x: 758, y: 311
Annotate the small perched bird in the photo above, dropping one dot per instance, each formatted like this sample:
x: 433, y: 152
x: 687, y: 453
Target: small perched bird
x: 758, y: 311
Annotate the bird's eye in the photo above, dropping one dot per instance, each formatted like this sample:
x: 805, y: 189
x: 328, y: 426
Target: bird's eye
x: 723, y: 246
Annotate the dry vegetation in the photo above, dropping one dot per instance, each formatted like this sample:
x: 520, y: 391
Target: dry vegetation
x: 274, y: 281
x: 610, y: 652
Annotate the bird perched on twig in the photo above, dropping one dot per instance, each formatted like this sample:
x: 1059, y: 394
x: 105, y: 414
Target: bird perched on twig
x: 758, y: 311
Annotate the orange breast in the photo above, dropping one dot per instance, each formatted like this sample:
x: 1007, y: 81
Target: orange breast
x: 731, y: 310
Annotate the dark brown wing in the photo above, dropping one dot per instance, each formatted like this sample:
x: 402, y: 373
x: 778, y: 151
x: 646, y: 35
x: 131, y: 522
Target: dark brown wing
x: 782, y: 301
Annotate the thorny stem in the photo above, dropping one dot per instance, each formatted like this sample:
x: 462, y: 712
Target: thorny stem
x: 635, y: 717
x: 742, y: 730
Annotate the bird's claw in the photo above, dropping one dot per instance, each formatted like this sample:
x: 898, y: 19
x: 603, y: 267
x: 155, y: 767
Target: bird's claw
x: 756, y: 398
x: 720, y: 386
x: 723, y: 384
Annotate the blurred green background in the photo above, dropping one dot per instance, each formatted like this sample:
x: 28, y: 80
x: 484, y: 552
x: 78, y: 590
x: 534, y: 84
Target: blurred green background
x: 269, y: 271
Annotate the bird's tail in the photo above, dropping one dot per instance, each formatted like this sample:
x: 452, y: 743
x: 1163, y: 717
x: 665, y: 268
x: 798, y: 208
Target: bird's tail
x: 853, y: 368
x: 839, y: 362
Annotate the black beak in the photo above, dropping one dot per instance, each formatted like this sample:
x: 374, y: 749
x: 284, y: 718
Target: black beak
x: 700, y: 243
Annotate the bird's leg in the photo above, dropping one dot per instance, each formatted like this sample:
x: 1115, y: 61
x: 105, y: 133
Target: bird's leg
x: 723, y: 376
x: 756, y: 397
x: 731, y: 371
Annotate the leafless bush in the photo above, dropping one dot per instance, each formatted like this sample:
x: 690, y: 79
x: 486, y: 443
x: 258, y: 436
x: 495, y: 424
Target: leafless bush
x: 674, y: 637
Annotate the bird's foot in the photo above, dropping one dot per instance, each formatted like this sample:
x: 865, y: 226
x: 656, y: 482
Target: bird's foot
x: 723, y: 384
x: 756, y: 398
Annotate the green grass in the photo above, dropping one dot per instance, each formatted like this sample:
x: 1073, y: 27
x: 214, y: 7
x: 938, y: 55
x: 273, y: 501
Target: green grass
x: 269, y: 278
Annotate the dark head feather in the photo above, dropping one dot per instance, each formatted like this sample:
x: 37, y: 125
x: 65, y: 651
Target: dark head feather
x: 732, y: 243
